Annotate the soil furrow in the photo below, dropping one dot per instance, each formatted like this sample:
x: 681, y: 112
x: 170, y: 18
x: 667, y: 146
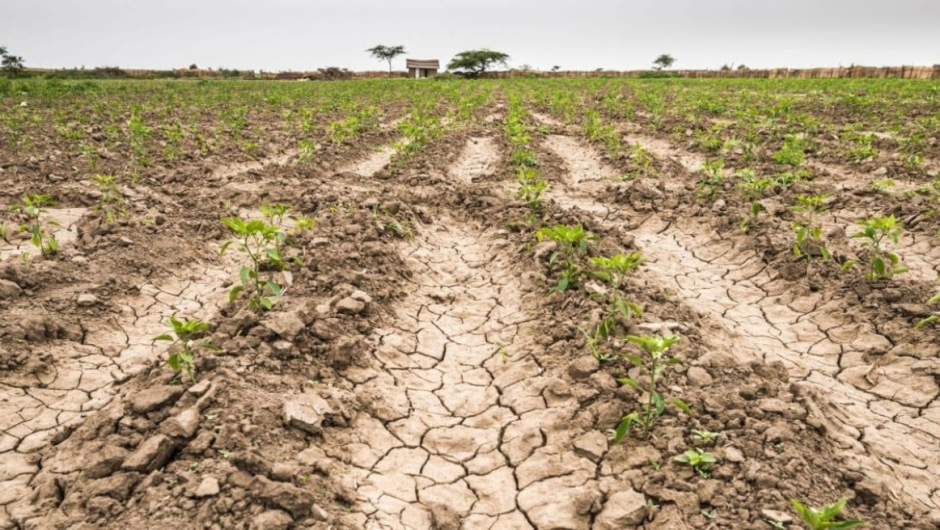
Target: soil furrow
x: 885, y: 396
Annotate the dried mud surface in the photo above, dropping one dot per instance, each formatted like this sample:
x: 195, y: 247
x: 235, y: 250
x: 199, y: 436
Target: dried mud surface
x: 420, y: 374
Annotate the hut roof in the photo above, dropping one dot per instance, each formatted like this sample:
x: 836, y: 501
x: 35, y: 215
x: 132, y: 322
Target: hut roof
x: 423, y: 63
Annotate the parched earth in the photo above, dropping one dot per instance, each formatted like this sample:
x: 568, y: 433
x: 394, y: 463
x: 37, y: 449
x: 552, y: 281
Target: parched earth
x: 419, y: 373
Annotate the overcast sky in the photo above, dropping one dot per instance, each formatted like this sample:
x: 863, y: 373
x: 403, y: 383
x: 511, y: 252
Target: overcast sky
x: 575, y: 34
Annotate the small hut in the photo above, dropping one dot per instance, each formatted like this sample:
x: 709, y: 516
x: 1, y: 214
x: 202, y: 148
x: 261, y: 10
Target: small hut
x: 419, y: 69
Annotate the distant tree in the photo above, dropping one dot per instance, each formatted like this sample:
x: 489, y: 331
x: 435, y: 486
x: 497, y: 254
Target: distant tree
x: 725, y: 67
x: 386, y: 53
x: 743, y: 67
x: 664, y: 61
x: 12, y: 64
x: 473, y: 63
x: 556, y: 68
x: 193, y: 67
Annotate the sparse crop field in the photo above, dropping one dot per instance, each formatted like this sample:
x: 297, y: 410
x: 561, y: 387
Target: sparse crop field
x: 572, y: 303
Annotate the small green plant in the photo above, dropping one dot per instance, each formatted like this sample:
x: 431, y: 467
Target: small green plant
x: 705, y: 436
x: 257, y: 240
x: 752, y: 220
x: 654, y: 361
x: 883, y: 263
x: 700, y: 460
x: 791, y: 153
x: 823, y: 518
x: 182, y: 335
x: 932, y: 318
x: 807, y: 231
x: 32, y: 207
x: 572, y: 244
x: 882, y: 184
x: 111, y: 200
x: 714, y: 178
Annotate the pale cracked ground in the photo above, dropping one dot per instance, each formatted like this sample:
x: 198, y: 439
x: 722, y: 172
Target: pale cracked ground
x: 35, y: 408
x: 886, y: 404
x: 464, y: 427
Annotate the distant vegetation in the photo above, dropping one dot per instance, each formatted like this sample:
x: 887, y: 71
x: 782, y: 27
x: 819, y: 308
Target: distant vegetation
x: 474, y: 63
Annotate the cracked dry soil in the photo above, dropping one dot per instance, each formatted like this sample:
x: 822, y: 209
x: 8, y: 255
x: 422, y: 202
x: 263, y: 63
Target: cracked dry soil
x: 434, y: 382
x: 465, y: 426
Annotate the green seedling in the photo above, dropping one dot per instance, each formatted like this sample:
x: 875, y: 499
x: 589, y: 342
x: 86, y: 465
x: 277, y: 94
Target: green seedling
x: 932, y: 318
x: 700, y: 460
x: 808, y: 233
x: 706, y: 437
x: 753, y: 219
x: 182, y: 335
x: 613, y: 271
x: 883, y: 263
x: 110, y: 202
x: 791, y: 153
x: 714, y: 178
x: 883, y: 184
x: 32, y: 207
x: 823, y: 518
x: 572, y: 244
x: 654, y: 361
x: 257, y: 240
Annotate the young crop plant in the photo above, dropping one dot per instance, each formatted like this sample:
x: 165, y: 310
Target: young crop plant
x: 807, y: 231
x: 32, y: 207
x: 698, y: 459
x: 752, y: 220
x: 642, y: 161
x: 932, y: 318
x: 530, y: 191
x: 882, y: 263
x: 705, y: 436
x: 654, y: 361
x: 572, y: 246
x: 258, y: 241
x: 824, y: 518
x: 714, y: 178
x: 183, y: 334
x: 791, y: 153
x: 110, y: 201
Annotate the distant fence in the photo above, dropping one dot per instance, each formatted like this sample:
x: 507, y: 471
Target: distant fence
x: 333, y: 73
x: 855, y: 72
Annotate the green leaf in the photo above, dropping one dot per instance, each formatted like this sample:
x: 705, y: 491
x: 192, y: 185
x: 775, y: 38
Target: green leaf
x: 628, y: 381
x: 233, y: 294
x: 878, y: 265
x: 224, y: 248
x: 266, y: 302
x: 174, y: 362
x: 683, y: 406
x: 934, y: 299
x: 563, y: 284
x: 849, y: 264
x: 633, y: 358
x: 208, y: 346
x: 165, y: 337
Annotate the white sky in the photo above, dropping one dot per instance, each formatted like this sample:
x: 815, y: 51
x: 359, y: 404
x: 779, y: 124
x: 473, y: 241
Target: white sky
x: 585, y: 34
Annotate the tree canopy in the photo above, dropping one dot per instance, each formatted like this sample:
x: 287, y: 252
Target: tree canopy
x: 472, y: 63
x: 664, y: 61
x: 386, y: 53
x: 10, y: 63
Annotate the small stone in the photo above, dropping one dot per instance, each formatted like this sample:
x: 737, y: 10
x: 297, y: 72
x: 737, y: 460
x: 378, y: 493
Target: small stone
x: 284, y: 472
x: 733, y: 455
x: 9, y: 290
x: 296, y: 501
x: 307, y: 413
x: 775, y: 515
x: 361, y: 296
x: 199, y: 388
x: 660, y: 327
x: 150, y: 454
x: 183, y: 425
x: 583, y: 367
x: 625, y: 509
x: 350, y: 306
x: 209, y: 487
x: 719, y: 205
x: 880, y: 172
x: 87, y: 300
x: 272, y: 520
x: 125, y: 242
x: 286, y: 324
x: 105, y: 461
x: 592, y: 445
x: 698, y: 377
x: 282, y: 348
x: 155, y: 398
